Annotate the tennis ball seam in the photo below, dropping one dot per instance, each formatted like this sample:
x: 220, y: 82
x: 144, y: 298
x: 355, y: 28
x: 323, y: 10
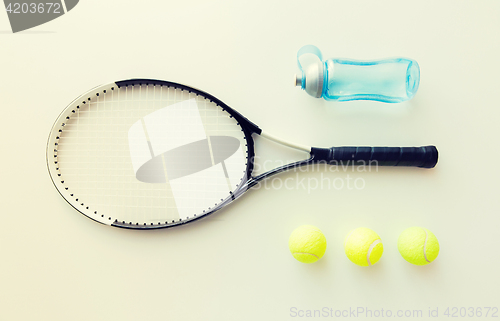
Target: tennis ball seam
x: 348, y: 236
x: 293, y: 253
x: 370, y: 249
x: 425, y: 245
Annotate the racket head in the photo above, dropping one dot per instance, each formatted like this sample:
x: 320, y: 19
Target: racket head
x: 148, y: 154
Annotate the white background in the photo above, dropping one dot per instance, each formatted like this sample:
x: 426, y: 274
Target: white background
x: 59, y: 265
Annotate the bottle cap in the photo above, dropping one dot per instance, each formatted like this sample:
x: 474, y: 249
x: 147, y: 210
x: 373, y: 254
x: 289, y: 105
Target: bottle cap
x: 311, y: 64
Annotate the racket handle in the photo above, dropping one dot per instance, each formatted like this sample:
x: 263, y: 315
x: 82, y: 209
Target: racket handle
x: 425, y: 157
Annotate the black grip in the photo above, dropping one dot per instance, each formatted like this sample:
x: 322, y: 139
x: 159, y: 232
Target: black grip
x: 425, y: 157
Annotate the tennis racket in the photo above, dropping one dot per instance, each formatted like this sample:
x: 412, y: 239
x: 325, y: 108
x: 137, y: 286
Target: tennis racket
x: 148, y: 154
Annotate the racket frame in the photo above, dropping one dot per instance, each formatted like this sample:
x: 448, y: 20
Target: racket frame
x: 246, y: 125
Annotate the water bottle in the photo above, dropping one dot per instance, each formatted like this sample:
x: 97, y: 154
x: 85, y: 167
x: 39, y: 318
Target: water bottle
x: 390, y: 80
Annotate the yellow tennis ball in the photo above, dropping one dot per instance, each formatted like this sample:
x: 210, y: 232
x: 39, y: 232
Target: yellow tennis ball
x: 363, y: 246
x: 418, y: 245
x: 307, y: 244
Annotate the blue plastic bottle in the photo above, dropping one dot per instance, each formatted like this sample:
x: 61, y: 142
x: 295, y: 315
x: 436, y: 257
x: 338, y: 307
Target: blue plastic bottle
x: 390, y: 80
